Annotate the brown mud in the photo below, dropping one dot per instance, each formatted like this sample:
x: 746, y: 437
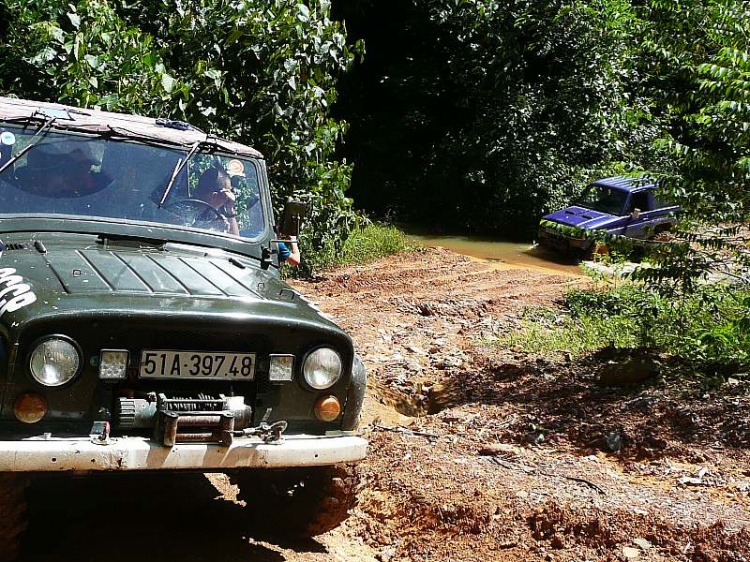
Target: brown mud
x: 477, y: 452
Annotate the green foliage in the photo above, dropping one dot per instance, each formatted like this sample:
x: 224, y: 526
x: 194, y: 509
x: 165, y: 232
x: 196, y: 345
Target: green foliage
x: 710, y: 327
x: 496, y: 111
x: 364, y: 245
x: 263, y: 73
x: 698, y: 57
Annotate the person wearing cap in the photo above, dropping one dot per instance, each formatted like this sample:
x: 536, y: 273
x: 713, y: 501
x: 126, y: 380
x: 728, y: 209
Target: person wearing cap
x: 253, y: 215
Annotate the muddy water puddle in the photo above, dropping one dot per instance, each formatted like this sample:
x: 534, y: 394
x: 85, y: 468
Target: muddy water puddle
x: 505, y: 254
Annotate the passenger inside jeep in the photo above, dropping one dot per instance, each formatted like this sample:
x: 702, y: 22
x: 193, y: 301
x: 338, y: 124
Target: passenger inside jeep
x: 62, y: 170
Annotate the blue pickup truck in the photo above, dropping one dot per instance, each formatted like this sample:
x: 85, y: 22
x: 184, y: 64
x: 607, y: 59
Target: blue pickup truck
x: 626, y: 206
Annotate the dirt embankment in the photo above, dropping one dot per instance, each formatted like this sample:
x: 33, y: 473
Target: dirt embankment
x: 477, y: 452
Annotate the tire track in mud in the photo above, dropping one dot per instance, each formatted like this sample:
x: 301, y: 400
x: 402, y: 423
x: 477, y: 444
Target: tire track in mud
x: 434, y: 300
x: 443, y: 276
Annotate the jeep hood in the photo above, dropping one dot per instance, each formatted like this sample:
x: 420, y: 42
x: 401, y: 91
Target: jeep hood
x: 71, y: 278
x: 580, y: 217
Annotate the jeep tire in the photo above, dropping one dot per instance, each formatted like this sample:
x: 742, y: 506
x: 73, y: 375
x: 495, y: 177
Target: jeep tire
x: 302, y: 502
x: 13, y: 519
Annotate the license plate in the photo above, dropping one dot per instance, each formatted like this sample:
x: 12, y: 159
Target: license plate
x: 168, y: 364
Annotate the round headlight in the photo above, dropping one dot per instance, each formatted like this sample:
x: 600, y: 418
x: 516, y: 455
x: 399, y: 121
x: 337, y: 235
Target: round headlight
x: 322, y: 368
x: 54, y: 362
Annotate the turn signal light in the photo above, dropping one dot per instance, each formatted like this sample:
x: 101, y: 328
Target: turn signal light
x: 327, y: 408
x: 30, y: 408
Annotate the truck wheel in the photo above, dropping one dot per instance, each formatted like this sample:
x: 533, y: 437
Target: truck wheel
x: 595, y: 250
x: 13, y: 519
x: 303, y: 502
x: 660, y: 232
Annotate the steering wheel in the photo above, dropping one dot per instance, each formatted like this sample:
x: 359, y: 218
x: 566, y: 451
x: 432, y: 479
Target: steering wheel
x: 195, y: 211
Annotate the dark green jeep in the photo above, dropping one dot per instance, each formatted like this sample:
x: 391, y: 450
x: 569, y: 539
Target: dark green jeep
x: 144, y: 327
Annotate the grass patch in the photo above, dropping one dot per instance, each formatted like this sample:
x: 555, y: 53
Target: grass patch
x: 547, y: 330
x: 363, y: 246
x: 710, y: 326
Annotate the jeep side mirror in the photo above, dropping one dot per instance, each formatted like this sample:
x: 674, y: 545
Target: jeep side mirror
x: 294, y: 212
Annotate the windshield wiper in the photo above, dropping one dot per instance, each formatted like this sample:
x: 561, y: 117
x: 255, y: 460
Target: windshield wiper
x: 41, y: 132
x: 181, y: 163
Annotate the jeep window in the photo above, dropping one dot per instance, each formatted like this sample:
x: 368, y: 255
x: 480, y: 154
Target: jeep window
x: 94, y: 176
x: 603, y: 199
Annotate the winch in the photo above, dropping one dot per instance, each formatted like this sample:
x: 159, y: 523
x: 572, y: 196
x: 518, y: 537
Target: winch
x: 201, y: 418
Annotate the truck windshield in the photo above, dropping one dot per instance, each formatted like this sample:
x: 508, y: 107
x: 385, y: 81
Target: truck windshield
x: 93, y: 176
x: 603, y: 199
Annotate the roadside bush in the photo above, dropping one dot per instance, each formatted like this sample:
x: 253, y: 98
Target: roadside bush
x: 362, y: 246
x: 548, y: 330
x: 710, y: 327
x: 696, y: 57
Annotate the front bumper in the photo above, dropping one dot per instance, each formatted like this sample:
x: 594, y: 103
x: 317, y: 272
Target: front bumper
x: 138, y: 453
x: 556, y: 241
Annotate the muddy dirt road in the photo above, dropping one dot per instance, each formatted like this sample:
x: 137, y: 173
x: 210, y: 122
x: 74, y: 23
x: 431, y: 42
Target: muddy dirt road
x: 477, y: 452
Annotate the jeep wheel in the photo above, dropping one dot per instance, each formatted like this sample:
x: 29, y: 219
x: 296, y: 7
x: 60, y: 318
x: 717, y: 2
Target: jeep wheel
x: 12, y: 514
x: 304, y: 502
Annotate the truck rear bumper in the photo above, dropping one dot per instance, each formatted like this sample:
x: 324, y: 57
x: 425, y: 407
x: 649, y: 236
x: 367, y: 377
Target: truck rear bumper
x: 137, y: 453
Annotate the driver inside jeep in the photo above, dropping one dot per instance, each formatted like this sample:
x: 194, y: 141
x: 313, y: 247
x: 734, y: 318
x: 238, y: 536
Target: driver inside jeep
x: 215, y: 188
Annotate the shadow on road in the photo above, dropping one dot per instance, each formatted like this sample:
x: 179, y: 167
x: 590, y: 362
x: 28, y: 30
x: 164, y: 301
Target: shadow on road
x: 566, y: 400
x: 126, y: 517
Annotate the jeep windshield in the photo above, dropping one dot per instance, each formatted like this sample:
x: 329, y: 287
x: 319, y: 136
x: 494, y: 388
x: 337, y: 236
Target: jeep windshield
x: 133, y: 180
x: 603, y: 199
